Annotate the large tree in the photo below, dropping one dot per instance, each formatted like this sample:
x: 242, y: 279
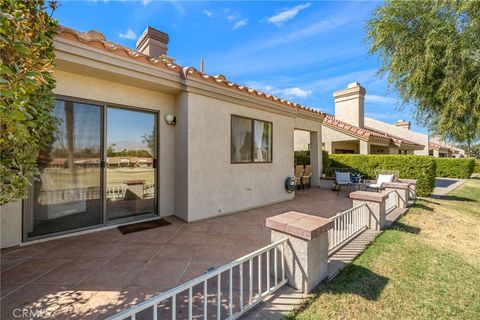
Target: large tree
x: 26, y: 84
x: 430, y: 51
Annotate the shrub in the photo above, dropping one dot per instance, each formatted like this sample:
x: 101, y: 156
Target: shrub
x: 455, y: 168
x: 326, y: 163
x: 420, y: 168
x: 27, y: 99
x: 302, y: 157
x: 477, y: 166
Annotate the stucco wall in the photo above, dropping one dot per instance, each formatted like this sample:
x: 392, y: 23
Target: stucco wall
x: 345, y: 145
x: 215, y: 186
x: 10, y: 224
x: 413, y: 136
x: 301, y: 140
x: 330, y: 135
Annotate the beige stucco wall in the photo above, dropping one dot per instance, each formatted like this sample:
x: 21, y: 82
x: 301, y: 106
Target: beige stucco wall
x: 413, y: 136
x: 301, y: 140
x: 215, y: 186
x: 335, y: 139
x: 11, y: 224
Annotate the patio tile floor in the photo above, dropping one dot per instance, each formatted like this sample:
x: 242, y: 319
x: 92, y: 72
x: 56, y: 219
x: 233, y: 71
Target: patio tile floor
x: 100, y: 273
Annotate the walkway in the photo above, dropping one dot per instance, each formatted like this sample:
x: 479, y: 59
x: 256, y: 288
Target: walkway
x: 445, y: 185
x: 97, y: 274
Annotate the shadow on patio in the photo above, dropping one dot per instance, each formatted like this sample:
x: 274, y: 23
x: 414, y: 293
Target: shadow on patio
x: 91, y: 275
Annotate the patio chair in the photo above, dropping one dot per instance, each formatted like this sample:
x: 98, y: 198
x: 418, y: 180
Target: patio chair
x: 307, y: 173
x: 383, y: 176
x: 298, y: 176
x: 342, y: 178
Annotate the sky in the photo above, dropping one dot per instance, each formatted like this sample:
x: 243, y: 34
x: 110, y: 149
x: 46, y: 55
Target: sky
x: 302, y: 51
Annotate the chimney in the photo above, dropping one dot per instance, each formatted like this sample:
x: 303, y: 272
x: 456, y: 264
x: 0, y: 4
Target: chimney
x: 153, y: 42
x: 402, y: 124
x: 349, y: 104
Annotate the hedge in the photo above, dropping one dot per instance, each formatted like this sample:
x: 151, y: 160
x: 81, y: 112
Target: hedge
x: 420, y: 168
x: 477, y: 166
x: 302, y: 157
x: 455, y: 168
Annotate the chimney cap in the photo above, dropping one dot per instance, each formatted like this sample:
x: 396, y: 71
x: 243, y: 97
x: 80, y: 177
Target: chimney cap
x: 353, y: 84
x: 152, y: 33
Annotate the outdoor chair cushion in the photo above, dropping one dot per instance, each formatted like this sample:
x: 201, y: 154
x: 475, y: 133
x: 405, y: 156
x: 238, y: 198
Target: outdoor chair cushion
x: 382, y: 178
x: 342, y: 177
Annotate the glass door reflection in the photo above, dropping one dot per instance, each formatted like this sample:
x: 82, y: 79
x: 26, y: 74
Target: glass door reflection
x: 67, y: 193
x: 130, y: 163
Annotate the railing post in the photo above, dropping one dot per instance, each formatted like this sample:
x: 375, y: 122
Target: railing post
x: 412, y: 194
x: 402, y: 189
x: 306, y: 253
x: 375, y: 215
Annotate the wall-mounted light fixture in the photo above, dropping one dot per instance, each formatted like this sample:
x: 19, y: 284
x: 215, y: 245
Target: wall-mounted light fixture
x: 170, y: 119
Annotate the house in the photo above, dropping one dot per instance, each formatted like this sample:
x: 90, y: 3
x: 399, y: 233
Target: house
x: 350, y: 131
x: 179, y: 142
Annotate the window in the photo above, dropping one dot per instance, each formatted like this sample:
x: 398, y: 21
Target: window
x: 251, y: 140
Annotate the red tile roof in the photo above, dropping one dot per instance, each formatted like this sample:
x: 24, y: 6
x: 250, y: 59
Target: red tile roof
x: 97, y: 40
x: 438, y: 146
x: 366, y: 132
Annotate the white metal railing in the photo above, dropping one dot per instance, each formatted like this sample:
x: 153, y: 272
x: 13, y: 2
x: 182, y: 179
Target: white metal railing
x: 347, y: 225
x: 265, y: 285
x: 391, y: 203
x: 116, y: 192
x: 69, y: 195
x: 148, y: 190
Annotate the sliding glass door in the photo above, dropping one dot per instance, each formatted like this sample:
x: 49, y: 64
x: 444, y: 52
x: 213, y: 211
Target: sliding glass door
x: 99, y: 168
x: 131, y: 163
x: 67, y: 193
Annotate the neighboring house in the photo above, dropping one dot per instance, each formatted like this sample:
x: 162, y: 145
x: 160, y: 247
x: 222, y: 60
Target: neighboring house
x: 438, y: 148
x: 180, y: 142
x: 349, y: 131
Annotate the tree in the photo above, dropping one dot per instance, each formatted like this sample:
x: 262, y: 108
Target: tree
x: 27, y: 101
x: 430, y: 51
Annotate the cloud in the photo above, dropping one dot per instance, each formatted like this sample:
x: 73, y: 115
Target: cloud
x: 208, y: 13
x: 287, y: 14
x: 130, y: 35
x: 373, y: 98
x: 240, y: 23
x: 145, y: 2
x: 289, y: 92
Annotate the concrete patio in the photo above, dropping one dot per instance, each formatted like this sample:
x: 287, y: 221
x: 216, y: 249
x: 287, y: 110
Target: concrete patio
x: 97, y: 274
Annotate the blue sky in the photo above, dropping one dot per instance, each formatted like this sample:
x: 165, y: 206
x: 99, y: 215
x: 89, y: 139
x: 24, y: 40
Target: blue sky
x: 302, y: 51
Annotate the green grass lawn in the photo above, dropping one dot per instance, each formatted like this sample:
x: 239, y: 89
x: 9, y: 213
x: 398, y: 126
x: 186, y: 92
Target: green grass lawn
x: 426, y: 266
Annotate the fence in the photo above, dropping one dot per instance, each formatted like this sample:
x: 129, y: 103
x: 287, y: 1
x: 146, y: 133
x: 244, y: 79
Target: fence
x: 116, y: 192
x: 391, y: 203
x: 50, y: 197
x: 346, y: 225
x: 244, y: 288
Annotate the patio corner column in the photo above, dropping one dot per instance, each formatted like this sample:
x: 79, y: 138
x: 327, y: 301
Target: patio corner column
x: 375, y: 201
x: 316, y: 156
x: 306, y: 252
x: 412, y: 194
x: 402, y: 189
x: 364, y: 147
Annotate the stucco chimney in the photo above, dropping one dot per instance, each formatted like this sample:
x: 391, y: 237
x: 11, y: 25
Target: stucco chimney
x: 153, y: 42
x: 350, y: 104
x: 403, y: 124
